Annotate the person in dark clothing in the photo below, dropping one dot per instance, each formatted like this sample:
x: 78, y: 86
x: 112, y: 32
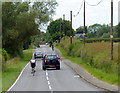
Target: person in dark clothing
x: 33, y: 65
x: 52, y: 47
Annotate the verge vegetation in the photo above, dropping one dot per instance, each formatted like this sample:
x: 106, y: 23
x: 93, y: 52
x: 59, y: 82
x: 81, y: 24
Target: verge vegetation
x: 95, y: 57
x: 13, y: 68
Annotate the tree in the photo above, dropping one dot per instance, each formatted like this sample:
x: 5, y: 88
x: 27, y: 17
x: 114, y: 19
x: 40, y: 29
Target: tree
x: 98, y: 31
x: 118, y: 30
x: 21, y: 21
x: 55, y: 29
x: 43, y: 11
x: 92, y: 30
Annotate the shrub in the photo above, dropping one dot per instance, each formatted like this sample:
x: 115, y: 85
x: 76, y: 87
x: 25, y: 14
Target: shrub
x: 96, y: 54
x: 5, y: 54
x: 0, y: 63
x: 4, y: 58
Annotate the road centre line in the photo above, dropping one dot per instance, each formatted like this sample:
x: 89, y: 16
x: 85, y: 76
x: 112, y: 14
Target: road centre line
x: 48, y: 82
x: 46, y: 73
x: 49, y: 85
x: 47, y: 78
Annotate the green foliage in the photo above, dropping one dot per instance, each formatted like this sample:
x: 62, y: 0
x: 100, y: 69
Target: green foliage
x: 14, y: 68
x: 21, y: 22
x: 100, y: 74
x: 5, y: 54
x: 96, y: 55
x: 55, y: 29
x: 91, y: 40
x: 81, y: 29
x: 98, y: 31
x: 43, y: 11
x: 118, y: 30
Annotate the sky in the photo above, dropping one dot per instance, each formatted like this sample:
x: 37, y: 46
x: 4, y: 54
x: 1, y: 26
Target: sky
x: 100, y: 14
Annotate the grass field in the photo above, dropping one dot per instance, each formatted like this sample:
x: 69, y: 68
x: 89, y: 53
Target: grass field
x: 95, y: 57
x: 13, y: 69
x: 110, y: 78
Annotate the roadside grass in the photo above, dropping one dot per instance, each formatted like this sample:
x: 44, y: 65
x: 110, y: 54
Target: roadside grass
x: 13, y: 69
x: 0, y: 72
x: 0, y: 82
x: 99, y: 74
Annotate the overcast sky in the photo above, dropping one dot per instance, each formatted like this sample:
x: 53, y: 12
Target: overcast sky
x: 94, y: 14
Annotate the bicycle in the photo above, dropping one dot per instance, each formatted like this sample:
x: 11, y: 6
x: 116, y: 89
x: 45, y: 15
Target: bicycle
x: 33, y: 71
x: 52, y: 48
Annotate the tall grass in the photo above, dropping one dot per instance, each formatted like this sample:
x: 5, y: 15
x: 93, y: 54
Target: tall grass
x: 0, y: 82
x: 13, y: 69
x: 95, y: 55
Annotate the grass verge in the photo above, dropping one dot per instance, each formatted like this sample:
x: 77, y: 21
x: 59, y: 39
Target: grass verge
x: 13, y: 69
x: 109, y: 78
x: 0, y: 82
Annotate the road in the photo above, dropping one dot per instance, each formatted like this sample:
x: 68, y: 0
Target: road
x: 64, y: 79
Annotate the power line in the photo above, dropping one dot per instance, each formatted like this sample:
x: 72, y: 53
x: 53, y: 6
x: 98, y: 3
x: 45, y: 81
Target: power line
x: 88, y: 4
x: 79, y: 9
x: 94, y: 4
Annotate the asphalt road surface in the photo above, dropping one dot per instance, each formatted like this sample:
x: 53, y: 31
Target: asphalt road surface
x: 64, y: 79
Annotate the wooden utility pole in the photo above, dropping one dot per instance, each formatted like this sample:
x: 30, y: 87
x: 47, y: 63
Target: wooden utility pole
x: 111, y: 36
x: 84, y: 25
x: 64, y: 25
x: 60, y: 32
x: 71, y: 27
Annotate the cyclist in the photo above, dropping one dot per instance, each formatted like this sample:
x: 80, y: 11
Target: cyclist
x: 52, y: 47
x: 33, y: 65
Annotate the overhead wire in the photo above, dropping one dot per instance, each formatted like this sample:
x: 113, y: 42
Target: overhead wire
x: 94, y: 4
x: 88, y: 4
x: 79, y: 9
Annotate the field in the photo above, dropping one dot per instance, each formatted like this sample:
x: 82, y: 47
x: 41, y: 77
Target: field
x: 95, y: 57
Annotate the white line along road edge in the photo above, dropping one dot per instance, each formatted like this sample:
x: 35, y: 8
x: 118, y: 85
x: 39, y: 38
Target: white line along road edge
x: 18, y: 77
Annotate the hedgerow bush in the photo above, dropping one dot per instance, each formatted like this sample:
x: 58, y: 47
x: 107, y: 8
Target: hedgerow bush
x: 4, y: 57
x: 5, y: 54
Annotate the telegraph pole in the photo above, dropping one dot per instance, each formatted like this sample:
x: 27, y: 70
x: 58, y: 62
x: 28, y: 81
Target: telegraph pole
x: 64, y: 25
x: 84, y: 25
x: 71, y: 27
x: 60, y: 32
x: 111, y: 36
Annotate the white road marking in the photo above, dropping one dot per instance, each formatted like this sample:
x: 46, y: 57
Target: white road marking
x: 18, y: 78
x: 47, y: 78
x: 48, y: 82
x: 46, y: 73
x: 50, y: 87
x: 77, y: 76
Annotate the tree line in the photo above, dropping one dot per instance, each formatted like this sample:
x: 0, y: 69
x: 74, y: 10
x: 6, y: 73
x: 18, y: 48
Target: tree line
x: 100, y: 31
x: 60, y: 28
x: 21, y: 22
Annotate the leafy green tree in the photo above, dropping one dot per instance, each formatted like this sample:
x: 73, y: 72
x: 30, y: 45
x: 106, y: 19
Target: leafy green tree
x: 98, y: 31
x: 55, y: 29
x: 21, y: 21
x: 43, y: 11
x: 81, y: 29
x: 92, y: 30
x: 105, y: 29
x: 118, y: 30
